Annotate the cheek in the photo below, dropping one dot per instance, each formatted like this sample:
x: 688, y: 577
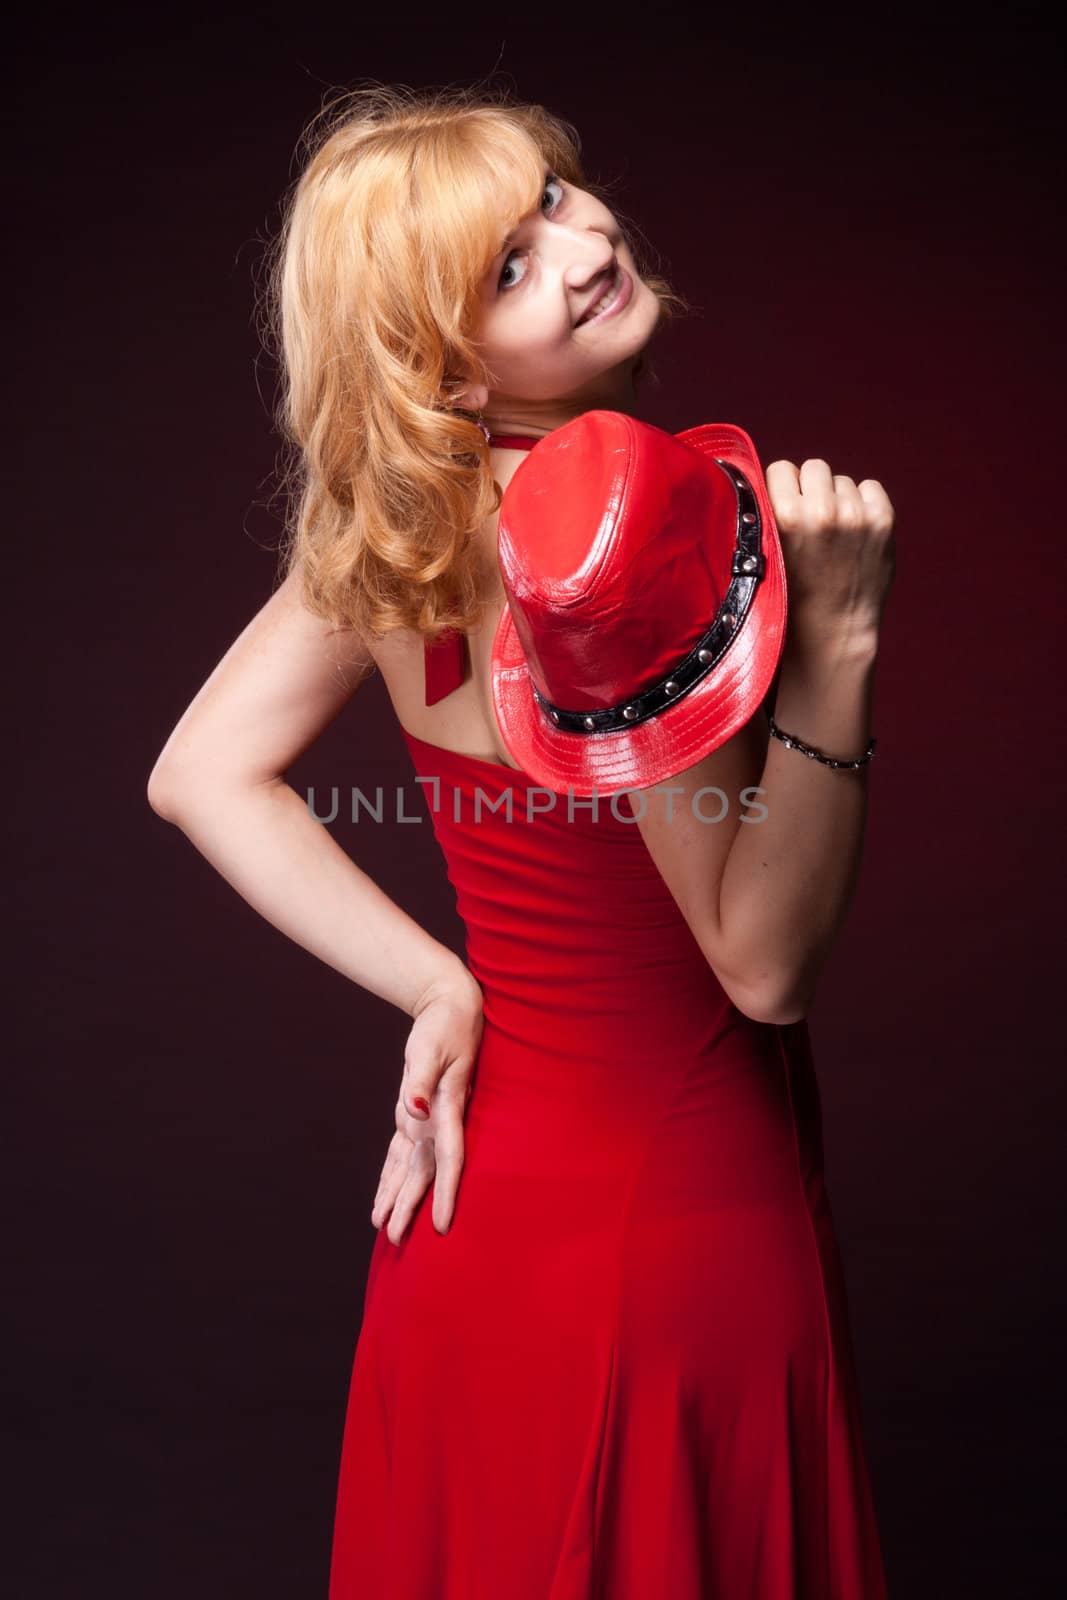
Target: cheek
x: 535, y: 336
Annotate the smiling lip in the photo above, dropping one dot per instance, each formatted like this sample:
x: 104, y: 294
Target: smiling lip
x: 622, y: 297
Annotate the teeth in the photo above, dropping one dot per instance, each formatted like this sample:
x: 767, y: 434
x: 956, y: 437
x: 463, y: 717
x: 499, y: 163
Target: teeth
x: 608, y: 298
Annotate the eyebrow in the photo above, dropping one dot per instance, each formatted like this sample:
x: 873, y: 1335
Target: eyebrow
x: 511, y: 235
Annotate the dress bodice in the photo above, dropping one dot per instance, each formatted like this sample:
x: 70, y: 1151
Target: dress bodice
x: 559, y: 899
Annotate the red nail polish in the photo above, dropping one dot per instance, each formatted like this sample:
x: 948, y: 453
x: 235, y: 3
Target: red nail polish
x: 421, y: 1105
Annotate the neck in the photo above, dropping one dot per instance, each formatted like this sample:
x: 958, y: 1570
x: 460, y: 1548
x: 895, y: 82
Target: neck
x: 532, y: 419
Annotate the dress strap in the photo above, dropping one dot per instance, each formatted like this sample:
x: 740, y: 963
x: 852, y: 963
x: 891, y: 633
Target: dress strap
x: 445, y: 664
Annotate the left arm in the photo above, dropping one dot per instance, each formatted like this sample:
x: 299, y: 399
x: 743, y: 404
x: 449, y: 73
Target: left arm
x: 766, y: 896
x: 790, y: 878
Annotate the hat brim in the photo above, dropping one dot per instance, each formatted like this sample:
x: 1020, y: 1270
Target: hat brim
x: 690, y: 728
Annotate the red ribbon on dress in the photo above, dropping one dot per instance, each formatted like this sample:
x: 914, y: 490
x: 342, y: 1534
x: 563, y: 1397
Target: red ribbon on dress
x: 446, y: 664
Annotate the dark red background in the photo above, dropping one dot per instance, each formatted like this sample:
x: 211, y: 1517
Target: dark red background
x: 865, y: 212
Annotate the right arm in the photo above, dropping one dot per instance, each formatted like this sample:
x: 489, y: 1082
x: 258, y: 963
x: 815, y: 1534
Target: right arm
x: 220, y: 779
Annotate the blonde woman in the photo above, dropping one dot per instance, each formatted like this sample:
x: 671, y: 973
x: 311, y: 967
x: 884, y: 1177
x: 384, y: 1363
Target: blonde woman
x: 605, y: 1348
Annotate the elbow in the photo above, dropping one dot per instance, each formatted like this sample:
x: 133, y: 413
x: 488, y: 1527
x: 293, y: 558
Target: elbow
x: 162, y: 793
x: 783, y: 1012
x: 177, y: 792
x: 777, y: 1003
x: 764, y: 990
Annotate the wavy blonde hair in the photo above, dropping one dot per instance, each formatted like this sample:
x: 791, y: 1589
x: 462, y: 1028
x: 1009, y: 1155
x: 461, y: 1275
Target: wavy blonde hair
x: 372, y: 302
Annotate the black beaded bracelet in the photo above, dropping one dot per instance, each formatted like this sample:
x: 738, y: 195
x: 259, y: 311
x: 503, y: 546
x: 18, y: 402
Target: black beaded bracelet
x: 791, y: 742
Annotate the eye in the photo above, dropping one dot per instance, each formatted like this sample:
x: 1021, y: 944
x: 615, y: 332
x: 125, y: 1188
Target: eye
x: 551, y: 181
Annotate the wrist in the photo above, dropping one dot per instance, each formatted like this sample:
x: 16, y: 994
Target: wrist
x: 452, y: 978
x: 830, y: 642
x: 824, y: 694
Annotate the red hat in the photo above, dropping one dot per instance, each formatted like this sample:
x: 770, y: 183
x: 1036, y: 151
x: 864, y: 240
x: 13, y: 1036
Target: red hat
x: 646, y: 601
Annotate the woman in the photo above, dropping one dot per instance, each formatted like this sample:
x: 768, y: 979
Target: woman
x: 625, y: 1370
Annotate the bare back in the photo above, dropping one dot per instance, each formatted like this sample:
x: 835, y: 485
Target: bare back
x: 464, y: 720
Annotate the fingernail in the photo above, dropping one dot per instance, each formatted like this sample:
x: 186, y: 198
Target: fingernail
x: 421, y: 1105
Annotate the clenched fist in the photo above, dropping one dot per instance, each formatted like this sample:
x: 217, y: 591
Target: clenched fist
x: 840, y: 554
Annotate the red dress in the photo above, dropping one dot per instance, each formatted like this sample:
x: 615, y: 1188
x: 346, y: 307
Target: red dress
x: 626, y: 1372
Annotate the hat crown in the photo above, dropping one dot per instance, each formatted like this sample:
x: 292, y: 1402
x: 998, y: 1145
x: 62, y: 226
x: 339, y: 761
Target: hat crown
x: 615, y: 543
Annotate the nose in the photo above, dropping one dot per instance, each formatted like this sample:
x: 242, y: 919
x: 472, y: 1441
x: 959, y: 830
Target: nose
x: 587, y: 255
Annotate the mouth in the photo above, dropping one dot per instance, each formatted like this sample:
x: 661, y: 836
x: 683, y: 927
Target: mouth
x: 610, y: 299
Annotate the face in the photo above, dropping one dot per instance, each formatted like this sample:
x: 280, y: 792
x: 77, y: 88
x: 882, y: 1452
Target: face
x: 549, y: 357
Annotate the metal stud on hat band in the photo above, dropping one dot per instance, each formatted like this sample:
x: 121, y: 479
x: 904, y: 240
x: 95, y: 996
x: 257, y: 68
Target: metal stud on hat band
x: 747, y: 567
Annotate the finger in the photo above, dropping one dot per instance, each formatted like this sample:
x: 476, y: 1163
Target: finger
x: 384, y: 1201
x: 879, y: 506
x: 423, y: 1067
x: 448, y: 1154
x: 817, y: 484
x: 417, y: 1181
x: 396, y: 1157
x: 851, y: 512
x: 384, y: 1212
x: 447, y: 1162
x: 392, y: 1176
x: 386, y: 1206
x: 388, y: 1169
x: 785, y: 473
x: 783, y: 489
x: 416, y: 1091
